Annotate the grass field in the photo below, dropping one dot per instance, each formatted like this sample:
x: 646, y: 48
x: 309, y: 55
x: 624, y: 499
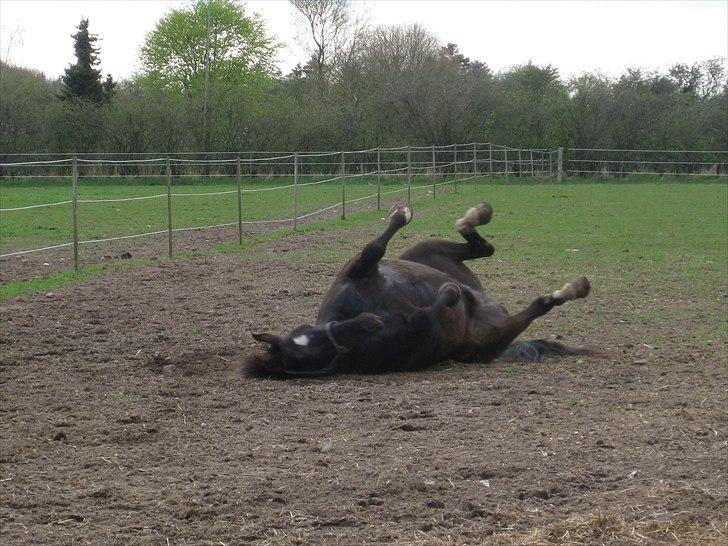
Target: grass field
x: 32, y: 228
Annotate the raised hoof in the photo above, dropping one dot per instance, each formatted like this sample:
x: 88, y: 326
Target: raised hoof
x: 401, y: 214
x: 478, y: 215
x: 576, y: 289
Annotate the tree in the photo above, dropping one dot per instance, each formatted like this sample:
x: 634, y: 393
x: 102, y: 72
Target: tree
x: 81, y: 80
x: 210, y: 52
x: 329, y: 24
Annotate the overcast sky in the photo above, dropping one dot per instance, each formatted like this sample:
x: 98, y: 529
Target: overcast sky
x: 574, y: 36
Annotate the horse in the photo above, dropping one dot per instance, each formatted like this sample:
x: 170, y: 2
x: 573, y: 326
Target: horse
x: 421, y: 309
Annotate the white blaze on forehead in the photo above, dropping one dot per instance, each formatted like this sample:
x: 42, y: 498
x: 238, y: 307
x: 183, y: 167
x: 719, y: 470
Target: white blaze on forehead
x: 301, y: 340
x: 407, y: 213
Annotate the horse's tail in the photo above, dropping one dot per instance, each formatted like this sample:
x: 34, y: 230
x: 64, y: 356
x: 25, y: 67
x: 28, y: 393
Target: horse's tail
x: 537, y: 350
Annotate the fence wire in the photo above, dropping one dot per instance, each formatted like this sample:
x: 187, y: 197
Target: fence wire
x: 446, y: 165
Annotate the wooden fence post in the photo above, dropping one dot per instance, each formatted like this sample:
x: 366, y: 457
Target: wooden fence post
x: 475, y: 156
x: 74, y: 193
x: 455, y: 162
x: 343, y: 187
x: 295, y: 191
x: 531, y: 155
x: 505, y: 160
x: 409, y: 175
x: 379, y: 179
x: 169, y: 207
x: 561, y: 165
x: 434, y: 173
x: 240, y: 200
x: 520, y: 164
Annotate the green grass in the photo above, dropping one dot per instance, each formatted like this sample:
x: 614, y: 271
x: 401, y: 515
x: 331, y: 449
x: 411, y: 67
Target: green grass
x: 632, y: 233
x: 26, y: 229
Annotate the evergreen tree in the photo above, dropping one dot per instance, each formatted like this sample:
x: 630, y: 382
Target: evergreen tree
x: 82, y: 80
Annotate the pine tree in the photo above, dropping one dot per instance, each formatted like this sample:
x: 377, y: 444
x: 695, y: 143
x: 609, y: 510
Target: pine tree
x: 82, y: 80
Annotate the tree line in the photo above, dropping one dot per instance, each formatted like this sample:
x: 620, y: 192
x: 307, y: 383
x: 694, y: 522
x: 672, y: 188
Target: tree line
x: 209, y: 82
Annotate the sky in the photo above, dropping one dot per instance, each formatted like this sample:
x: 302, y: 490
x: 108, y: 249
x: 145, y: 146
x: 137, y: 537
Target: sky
x: 574, y: 36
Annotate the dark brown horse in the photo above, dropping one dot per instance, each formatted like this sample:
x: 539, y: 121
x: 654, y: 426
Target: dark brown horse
x: 426, y: 307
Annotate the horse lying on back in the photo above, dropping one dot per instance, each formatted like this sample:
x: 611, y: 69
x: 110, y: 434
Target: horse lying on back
x: 424, y: 308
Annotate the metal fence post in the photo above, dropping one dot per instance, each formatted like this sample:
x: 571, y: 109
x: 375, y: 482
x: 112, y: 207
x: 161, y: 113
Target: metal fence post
x: 560, y: 165
x: 379, y: 179
x: 240, y: 201
x: 169, y: 206
x: 343, y: 187
x: 295, y: 190
x: 455, y: 162
x: 434, y: 173
x: 74, y: 192
x: 409, y: 175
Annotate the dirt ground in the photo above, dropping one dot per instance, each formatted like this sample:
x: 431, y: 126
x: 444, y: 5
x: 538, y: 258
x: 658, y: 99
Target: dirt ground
x: 124, y: 419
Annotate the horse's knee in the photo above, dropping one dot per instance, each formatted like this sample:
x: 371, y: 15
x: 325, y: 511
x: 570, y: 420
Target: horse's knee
x: 449, y: 294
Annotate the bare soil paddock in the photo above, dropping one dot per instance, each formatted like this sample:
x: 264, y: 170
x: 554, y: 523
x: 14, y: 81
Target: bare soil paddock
x: 124, y: 419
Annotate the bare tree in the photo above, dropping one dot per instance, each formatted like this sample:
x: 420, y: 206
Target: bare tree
x: 330, y: 24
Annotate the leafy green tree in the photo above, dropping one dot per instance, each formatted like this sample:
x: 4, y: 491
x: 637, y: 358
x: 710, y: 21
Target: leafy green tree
x: 81, y: 80
x: 26, y: 103
x: 213, y: 54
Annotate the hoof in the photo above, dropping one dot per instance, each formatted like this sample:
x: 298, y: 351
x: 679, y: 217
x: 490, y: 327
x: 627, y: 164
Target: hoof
x: 478, y: 215
x: 402, y: 214
x: 576, y: 289
x: 582, y: 287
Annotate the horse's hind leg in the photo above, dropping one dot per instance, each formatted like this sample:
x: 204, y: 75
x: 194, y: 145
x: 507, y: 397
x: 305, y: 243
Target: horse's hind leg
x: 479, y: 215
x: 367, y: 262
x: 448, y: 256
x: 516, y: 324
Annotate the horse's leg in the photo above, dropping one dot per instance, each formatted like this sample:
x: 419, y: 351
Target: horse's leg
x: 448, y: 256
x: 366, y: 263
x: 514, y: 325
x: 479, y: 215
x: 423, y: 321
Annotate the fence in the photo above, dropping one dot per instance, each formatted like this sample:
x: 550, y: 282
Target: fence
x: 621, y: 163
x: 431, y: 168
x: 434, y: 167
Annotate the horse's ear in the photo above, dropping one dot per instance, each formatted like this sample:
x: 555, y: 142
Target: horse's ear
x: 271, y: 339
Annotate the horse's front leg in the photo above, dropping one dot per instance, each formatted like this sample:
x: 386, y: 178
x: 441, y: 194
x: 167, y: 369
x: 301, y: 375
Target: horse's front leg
x: 367, y: 262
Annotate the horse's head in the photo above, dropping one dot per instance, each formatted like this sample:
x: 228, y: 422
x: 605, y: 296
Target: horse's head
x: 315, y: 350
